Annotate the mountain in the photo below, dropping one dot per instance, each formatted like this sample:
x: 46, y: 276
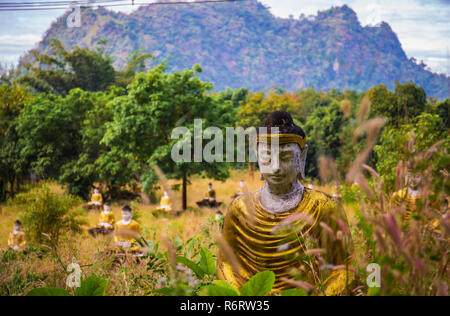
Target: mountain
x: 241, y: 44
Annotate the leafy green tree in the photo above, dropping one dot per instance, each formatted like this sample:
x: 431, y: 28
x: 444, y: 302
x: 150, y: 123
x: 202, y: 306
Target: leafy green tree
x: 158, y: 102
x: 13, y: 99
x: 427, y: 128
x: 442, y: 109
x: 136, y: 64
x: 406, y: 102
x: 62, y: 71
x: 45, y: 212
x: 88, y: 167
x: 60, y: 138
x: 323, y: 131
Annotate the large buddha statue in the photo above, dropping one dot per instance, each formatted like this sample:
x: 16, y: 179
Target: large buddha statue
x: 252, y: 224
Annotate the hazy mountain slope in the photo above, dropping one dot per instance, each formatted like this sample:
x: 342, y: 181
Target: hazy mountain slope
x: 244, y: 45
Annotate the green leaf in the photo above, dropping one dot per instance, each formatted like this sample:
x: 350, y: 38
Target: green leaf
x: 219, y: 288
x: 48, y: 291
x: 166, y: 291
x: 294, y: 292
x: 259, y: 285
x: 192, y: 265
x: 207, y: 262
x: 92, y: 286
x: 374, y: 291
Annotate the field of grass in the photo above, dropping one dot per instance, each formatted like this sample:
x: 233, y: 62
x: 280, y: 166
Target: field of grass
x: 19, y: 276
x: 186, y: 234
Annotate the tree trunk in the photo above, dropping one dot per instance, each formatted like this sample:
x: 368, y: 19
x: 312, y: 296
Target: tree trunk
x: 184, y: 191
x: 251, y: 171
x: 11, y: 188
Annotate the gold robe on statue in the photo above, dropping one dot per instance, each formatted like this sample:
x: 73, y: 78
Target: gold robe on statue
x: 165, y: 205
x: 17, y: 240
x: 107, y: 219
x: 96, y: 199
x: 258, y: 248
x: 410, y: 202
x: 127, y: 234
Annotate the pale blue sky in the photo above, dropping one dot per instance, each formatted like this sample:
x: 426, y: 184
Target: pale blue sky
x: 423, y: 26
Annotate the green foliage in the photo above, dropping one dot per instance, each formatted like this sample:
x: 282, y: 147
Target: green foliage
x: 323, y: 129
x: 13, y: 99
x: 220, y: 288
x: 259, y: 285
x: 205, y: 266
x: 60, y: 138
x: 44, y: 212
x: 406, y: 102
x: 64, y: 70
x: 48, y: 291
x: 92, y: 286
x: 140, y: 133
x: 427, y: 130
x: 207, y: 262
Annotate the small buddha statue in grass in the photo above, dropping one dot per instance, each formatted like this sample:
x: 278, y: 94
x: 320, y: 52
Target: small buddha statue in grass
x: 210, y: 198
x: 126, y: 232
x: 165, y: 204
x: 253, y: 222
x: 411, y: 198
x: 211, y: 195
x: 410, y: 195
x: 241, y: 189
x: 106, y: 222
x: 96, y: 200
x: 17, y: 240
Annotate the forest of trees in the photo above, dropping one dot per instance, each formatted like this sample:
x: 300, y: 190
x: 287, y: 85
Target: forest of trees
x: 73, y: 118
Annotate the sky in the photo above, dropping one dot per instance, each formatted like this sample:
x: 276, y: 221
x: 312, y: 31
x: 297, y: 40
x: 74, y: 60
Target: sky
x: 423, y: 26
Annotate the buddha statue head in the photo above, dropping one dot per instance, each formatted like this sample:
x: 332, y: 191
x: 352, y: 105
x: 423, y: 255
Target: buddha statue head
x: 106, y: 208
x: 282, y: 166
x: 126, y: 215
x: 17, y: 226
x: 96, y: 191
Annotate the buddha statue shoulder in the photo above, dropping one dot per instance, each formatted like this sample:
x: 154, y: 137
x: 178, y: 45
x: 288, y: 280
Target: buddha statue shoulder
x: 274, y: 227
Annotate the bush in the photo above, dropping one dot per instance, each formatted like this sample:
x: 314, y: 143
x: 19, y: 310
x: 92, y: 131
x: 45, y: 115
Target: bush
x: 43, y: 212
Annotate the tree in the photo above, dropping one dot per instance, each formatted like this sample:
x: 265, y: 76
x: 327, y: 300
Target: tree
x: 427, y: 129
x: 62, y: 71
x: 136, y: 64
x: 323, y: 131
x: 158, y: 102
x: 13, y: 99
x: 43, y: 211
x: 442, y: 109
x: 60, y: 137
x: 407, y: 102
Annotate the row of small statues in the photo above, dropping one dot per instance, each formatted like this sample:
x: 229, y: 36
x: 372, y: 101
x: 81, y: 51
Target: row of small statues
x: 127, y: 229
x: 166, y: 205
